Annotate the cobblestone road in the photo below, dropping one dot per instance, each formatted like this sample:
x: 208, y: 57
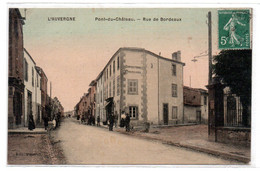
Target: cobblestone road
x: 84, y: 144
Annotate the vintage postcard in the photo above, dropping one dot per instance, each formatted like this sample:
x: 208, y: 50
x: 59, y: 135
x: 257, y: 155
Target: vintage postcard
x: 129, y: 86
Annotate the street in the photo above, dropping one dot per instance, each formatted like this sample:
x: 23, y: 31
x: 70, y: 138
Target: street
x: 84, y: 144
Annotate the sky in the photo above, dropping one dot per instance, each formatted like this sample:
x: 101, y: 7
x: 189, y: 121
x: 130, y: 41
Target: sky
x: 73, y: 53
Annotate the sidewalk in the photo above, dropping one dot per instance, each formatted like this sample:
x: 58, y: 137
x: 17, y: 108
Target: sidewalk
x: 25, y: 130
x: 194, y: 137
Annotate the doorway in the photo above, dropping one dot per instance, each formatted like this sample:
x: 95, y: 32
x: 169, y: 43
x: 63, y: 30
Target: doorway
x: 29, y: 105
x: 198, y: 116
x: 165, y: 113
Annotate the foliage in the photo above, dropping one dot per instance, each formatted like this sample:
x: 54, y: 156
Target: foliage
x: 234, y: 68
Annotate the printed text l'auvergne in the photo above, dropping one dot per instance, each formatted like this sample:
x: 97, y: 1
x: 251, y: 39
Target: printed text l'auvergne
x: 61, y: 18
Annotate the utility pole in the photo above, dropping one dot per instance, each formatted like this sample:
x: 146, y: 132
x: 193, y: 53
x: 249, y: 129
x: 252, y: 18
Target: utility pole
x: 210, y: 47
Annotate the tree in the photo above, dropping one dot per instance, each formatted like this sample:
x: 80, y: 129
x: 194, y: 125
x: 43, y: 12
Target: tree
x: 234, y: 68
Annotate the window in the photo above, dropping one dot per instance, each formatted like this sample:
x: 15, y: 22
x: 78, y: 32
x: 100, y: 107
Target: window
x: 133, y: 112
x: 107, y: 73
x: 101, y: 96
x: 174, y: 90
x: 109, y: 90
x: 118, y: 85
x: 25, y: 70
x: 104, y: 75
x: 32, y: 77
x: 132, y: 86
x: 105, y: 93
x: 113, y: 87
x: 114, y: 63
x: 118, y: 63
x: 110, y: 70
x: 174, y: 112
x: 37, y: 80
x: 173, y: 69
x: 40, y: 83
x: 205, y: 100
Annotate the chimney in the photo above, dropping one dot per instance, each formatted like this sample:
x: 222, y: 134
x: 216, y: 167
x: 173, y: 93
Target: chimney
x: 176, y: 56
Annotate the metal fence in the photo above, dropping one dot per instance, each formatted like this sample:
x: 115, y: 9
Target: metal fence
x: 233, y: 112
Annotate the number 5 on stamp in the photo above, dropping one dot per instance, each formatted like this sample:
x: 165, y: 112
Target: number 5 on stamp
x: 234, y: 29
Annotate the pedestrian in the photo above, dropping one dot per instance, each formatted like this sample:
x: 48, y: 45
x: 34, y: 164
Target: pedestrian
x: 122, y: 121
x: 98, y: 120
x: 93, y: 120
x: 82, y: 119
x: 111, y: 122
x: 54, y: 123
x: 45, y: 119
x: 57, y: 122
x: 127, y: 123
x: 31, y: 124
x: 58, y: 119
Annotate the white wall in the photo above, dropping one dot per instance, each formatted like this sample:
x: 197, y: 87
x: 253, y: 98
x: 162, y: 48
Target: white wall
x: 133, y: 67
x: 35, y: 91
x: 166, y: 79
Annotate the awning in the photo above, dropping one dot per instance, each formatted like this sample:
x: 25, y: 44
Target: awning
x: 109, y: 101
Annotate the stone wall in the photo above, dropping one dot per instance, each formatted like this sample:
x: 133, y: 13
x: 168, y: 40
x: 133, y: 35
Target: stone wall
x: 236, y: 136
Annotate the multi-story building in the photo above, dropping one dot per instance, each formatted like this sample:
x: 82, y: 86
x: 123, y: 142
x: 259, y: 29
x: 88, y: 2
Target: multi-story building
x: 43, y: 88
x: 100, y: 111
x: 92, y: 98
x: 81, y: 107
x: 32, y: 92
x: 147, y: 86
x: 195, y: 105
x: 15, y: 70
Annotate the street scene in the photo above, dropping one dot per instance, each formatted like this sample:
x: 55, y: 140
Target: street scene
x: 115, y: 86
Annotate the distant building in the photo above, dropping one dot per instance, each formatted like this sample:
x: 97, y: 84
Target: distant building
x: 195, y: 102
x: 92, y: 98
x: 147, y: 86
x: 15, y: 70
x: 32, y: 92
x: 81, y: 107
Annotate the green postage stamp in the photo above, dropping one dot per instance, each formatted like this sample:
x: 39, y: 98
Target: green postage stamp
x: 234, y: 29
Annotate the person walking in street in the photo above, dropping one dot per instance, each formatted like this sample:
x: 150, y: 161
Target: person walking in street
x: 93, y: 121
x: 82, y: 119
x: 111, y: 122
x: 45, y: 119
x: 31, y: 124
x: 127, y: 123
x: 54, y: 123
x: 98, y: 120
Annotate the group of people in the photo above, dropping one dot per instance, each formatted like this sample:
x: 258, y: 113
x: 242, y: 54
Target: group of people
x: 111, y: 121
x: 90, y: 120
x: 124, y: 122
x: 55, y: 121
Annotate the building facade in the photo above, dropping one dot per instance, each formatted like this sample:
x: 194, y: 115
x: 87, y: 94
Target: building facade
x: 195, y: 105
x: 44, y: 95
x: 32, y: 92
x: 15, y: 70
x: 147, y: 86
x: 92, y: 98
